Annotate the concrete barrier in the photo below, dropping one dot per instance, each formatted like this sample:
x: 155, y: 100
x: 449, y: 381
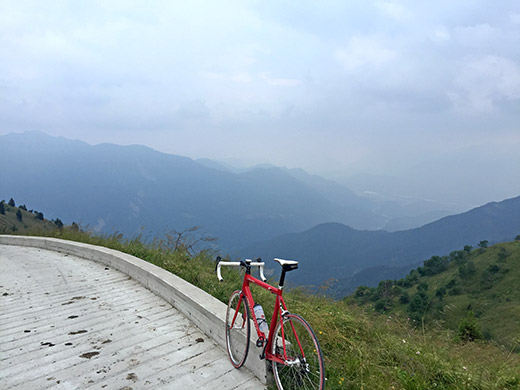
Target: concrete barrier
x: 205, y: 311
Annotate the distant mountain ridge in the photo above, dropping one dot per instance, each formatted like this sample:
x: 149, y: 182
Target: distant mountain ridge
x: 353, y: 257
x: 134, y: 189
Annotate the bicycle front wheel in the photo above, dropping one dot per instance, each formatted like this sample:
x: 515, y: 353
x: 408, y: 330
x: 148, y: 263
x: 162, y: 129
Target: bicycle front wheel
x: 238, y: 329
x: 295, y: 342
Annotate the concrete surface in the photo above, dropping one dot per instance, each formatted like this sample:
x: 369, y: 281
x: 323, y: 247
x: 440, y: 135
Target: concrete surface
x: 66, y: 322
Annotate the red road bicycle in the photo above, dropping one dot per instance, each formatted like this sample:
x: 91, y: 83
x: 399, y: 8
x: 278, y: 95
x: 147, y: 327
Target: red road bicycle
x: 289, y: 342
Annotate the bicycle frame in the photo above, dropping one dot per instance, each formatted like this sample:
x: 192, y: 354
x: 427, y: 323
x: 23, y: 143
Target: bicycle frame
x: 279, y: 310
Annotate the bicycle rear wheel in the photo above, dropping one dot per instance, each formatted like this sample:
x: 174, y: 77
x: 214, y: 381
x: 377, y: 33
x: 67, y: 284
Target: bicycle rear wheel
x: 238, y: 329
x: 295, y: 342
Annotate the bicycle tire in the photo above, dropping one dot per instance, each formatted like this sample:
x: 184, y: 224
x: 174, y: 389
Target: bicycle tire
x: 237, y: 333
x: 302, y: 372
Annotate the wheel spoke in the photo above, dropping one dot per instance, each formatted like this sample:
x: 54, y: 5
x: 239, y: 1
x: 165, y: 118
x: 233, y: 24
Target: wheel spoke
x: 304, y: 368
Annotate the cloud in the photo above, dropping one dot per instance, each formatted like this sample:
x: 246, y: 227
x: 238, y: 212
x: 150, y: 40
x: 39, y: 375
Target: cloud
x: 515, y: 18
x: 364, y: 51
x: 194, y: 110
x: 280, y: 82
x: 393, y: 10
x: 484, y: 83
x: 230, y: 72
x: 242, y: 77
x: 213, y: 75
x: 476, y: 36
x: 440, y: 35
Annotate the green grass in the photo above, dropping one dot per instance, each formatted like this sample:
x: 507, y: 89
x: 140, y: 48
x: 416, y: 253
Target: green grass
x: 362, y: 350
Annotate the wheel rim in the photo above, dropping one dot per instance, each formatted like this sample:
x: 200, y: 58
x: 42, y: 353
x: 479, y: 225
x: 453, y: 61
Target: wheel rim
x: 237, y: 329
x: 300, y: 372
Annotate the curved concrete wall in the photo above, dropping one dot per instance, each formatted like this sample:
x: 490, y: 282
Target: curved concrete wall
x: 205, y: 311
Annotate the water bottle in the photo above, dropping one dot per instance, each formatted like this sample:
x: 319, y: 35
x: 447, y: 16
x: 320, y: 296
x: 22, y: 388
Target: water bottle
x: 260, y: 318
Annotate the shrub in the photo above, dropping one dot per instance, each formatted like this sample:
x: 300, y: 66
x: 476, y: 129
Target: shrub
x: 469, y: 329
x: 456, y: 290
x: 503, y: 254
x: 466, y: 270
x: 380, y: 306
x: 441, y: 292
x: 419, y: 302
x: 363, y: 291
x: 404, y: 298
x: 58, y: 223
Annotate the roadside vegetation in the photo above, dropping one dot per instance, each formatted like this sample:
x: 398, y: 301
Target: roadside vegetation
x: 363, y: 348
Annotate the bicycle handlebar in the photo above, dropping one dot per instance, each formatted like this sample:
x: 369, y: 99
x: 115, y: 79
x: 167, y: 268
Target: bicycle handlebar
x: 260, y: 265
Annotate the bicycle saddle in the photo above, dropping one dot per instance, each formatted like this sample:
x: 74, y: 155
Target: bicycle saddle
x: 287, y: 265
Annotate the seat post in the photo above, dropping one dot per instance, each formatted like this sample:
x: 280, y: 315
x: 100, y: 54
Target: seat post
x: 282, y: 279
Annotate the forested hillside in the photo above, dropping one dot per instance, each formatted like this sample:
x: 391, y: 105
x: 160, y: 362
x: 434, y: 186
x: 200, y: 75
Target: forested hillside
x: 473, y: 291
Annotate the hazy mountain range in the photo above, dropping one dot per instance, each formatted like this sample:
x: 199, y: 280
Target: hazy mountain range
x: 264, y: 211
x: 132, y: 189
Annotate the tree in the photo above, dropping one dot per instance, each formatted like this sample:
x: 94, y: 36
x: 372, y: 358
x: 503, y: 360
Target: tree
x: 58, y: 223
x: 483, y: 244
x: 459, y: 256
x: 39, y: 215
x: 517, y: 238
x: 11, y: 203
x: 187, y: 240
x: 19, y: 215
x: 362, y: 291
x: 434, y: 266
x: 2, y: 208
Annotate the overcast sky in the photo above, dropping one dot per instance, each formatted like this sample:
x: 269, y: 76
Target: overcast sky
x: 329, y: 86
